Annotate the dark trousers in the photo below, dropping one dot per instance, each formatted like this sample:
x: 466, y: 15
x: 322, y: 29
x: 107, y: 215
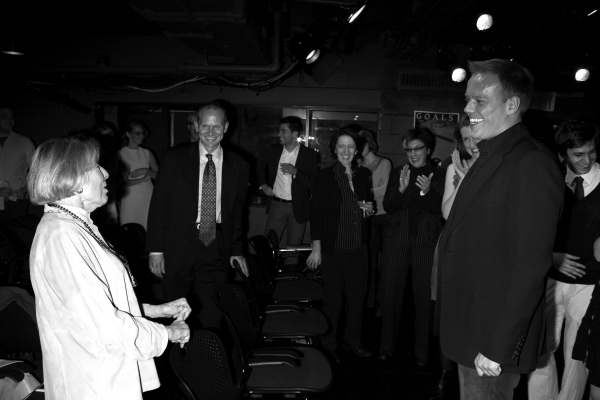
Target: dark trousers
x: 475, y: 387
x: 378, y: 224
x: 200, y: 271
x: 396, y: 259
x: 281, y: 216
x: 344, y: 273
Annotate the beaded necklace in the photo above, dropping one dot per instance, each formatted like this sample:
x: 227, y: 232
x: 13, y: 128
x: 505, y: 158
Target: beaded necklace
x: 105, y: 245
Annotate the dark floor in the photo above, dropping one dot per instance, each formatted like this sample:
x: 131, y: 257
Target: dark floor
x: 367, y: 378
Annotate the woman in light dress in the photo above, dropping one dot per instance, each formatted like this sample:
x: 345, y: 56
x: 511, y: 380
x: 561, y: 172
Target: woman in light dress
x: 140, y: 167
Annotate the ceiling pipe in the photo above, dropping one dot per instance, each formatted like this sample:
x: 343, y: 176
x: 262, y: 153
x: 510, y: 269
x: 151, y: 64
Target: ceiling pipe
x: 271, y: 68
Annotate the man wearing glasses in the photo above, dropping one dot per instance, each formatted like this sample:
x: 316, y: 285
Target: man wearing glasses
x: 496, y: 247
x: 195, y: 221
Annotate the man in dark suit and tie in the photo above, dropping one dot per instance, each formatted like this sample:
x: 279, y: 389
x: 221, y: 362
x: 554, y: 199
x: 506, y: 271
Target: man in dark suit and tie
x: 195, y: 219
x: 496, y: 247
x: 291, y: 169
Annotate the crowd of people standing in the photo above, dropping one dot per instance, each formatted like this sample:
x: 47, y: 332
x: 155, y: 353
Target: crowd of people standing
x: 502, y: 235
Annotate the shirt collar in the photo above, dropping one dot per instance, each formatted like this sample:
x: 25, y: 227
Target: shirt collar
x: 295, y: 151
x: 570, y: 176
x: 489, y: 146
x: 218, y: 153
x: 11, y: 133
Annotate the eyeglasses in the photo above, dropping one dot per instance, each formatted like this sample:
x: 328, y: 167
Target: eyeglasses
x: 414, y: 150
x: 136, y: 133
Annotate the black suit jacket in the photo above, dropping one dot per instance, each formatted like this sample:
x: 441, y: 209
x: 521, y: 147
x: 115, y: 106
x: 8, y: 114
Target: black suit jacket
x: 494, y: 253
x: 307, y: 164
x: 397, y: 205
x: 174, y: 205
x: 326, y: 206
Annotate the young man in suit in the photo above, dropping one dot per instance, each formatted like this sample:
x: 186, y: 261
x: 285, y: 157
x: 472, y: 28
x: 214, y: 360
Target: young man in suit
x: 286, y: 173
x: 496, y: 247
x: 195, y: 219
x: 574, y: 270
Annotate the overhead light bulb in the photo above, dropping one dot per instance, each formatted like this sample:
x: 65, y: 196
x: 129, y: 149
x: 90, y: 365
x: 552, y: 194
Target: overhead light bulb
x: 485, y: 22
x: 459, y: 75
x: 313, y: 56
x: 355, y: 14
x: 582, y: 75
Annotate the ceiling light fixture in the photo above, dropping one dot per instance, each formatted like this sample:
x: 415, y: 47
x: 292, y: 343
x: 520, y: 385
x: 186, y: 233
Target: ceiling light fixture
x: 593, y: 12
x: 582, y: 75
x: 313, y: 56
x: 459, y: 75
x: 485, y: 22
x: 304, y: 48
x: 356, y: 11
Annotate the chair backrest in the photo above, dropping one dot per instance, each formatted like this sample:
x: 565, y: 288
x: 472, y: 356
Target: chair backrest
x: 257, y: 280
x: 273, y: 239
x: 261, y: 246
x: 203, y: 368
x: 18, y: 328
x: 247, y: 285
x: 233, y: 303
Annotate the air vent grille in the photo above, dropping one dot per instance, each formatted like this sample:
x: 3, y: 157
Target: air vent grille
x: 424, y: 80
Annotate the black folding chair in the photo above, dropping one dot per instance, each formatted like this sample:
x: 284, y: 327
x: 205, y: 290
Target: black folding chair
x: 19, y: 335
x: 291, y: 287
x: 202, y: 366
x: 289, y: 369
x: 276, y: 321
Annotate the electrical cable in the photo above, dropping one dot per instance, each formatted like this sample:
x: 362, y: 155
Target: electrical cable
x: 195, y: 79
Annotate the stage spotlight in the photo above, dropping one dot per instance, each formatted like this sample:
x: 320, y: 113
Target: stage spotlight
x: 459, y: 75
x: 304, y: 48
x: 356, y: 11
x: 484, y: 22
x: 313, y: 56
x: 582, y: 75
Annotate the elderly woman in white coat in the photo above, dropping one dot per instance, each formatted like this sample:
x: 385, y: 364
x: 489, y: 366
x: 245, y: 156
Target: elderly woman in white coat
x: 97, y: 342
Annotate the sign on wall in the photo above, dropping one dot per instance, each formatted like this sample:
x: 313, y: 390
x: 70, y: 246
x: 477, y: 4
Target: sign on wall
x: 441, y: 123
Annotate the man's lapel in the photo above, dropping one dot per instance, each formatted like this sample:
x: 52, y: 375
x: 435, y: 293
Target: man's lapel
x: 301, y: 152
x: 227, y: 178
x: 467, y: 192
x: 192, y: 172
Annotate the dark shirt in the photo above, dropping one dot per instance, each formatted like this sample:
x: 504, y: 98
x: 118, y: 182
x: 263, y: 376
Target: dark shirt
x: 349, y: 233
x: 415, y: 205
